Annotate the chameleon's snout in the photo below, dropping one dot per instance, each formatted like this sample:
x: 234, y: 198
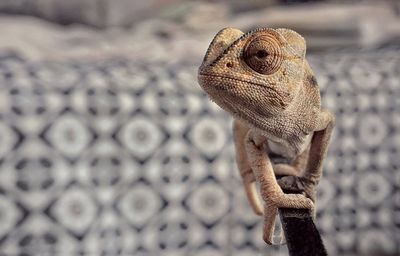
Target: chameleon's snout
x: 220, y: 43
x: 207, y: 71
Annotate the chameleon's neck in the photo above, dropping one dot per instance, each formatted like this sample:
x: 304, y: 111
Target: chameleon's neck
x: 296, y: 122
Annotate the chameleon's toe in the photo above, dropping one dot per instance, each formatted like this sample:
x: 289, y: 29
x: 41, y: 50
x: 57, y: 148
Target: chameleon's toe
x: 296, y: 201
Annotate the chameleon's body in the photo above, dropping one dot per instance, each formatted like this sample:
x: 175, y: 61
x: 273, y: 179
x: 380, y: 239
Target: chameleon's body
x: 264, y: 81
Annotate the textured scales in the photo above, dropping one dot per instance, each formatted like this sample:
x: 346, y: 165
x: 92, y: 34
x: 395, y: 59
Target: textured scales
x: 264, y: 81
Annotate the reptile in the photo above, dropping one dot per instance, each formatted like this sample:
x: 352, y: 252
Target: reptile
x: 263, y: 80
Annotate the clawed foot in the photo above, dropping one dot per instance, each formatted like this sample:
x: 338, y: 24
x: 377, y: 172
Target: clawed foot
x: 303, y: 198
x: 297, y: 201
x: 294, y: 184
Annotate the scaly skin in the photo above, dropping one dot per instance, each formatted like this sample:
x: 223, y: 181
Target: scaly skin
x: 264, y: 81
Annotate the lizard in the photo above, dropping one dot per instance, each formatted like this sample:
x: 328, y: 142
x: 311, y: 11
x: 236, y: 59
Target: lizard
x: 264, y: 81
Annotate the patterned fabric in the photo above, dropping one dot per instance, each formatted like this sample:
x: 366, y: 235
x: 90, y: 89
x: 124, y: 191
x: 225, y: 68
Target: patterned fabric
x: 121, y: 158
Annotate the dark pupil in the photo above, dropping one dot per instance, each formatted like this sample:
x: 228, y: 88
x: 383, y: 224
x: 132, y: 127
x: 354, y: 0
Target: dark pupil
x: 262, y: 54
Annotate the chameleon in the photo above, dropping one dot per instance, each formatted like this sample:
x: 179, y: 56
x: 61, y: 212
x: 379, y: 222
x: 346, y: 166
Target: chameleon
x: 263, y: 80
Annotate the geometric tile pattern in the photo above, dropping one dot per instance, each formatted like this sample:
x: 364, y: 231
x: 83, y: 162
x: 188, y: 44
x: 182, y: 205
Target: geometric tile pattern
x: 122, y: 158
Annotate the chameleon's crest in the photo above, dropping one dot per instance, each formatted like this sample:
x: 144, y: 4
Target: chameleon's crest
x: 295, y: 42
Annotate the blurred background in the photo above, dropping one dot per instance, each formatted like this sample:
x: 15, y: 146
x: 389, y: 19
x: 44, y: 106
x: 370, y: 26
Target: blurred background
x: 109, y: 147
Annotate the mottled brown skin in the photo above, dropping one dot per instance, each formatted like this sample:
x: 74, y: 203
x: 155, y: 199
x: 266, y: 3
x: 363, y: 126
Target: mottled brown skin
x: 264, y: 81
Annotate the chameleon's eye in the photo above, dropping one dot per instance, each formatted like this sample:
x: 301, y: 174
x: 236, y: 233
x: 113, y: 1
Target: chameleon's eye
x: 263, y: 54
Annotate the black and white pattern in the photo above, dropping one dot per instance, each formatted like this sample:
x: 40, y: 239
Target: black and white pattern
x: 121, y: 158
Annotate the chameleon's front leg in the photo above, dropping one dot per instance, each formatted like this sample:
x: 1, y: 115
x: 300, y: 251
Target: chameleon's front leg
x: 270, y: 191
x: 318, y: 150
x: 240, y: 131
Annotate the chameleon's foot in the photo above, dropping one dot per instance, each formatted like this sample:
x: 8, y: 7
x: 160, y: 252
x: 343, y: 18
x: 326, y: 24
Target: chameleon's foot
x: 296, y: 184
x: 296, y: 201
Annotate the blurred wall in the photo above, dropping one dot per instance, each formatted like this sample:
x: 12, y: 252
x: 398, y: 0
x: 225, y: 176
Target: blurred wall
x: 109, y: 147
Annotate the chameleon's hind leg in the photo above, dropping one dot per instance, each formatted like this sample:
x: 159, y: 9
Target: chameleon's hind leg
x: 271, y: 193
x: 295, y: 168
x: 308, y: 181
x: 292, y: 182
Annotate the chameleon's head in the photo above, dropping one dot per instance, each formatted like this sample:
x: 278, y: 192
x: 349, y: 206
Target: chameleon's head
x: 258, y: 73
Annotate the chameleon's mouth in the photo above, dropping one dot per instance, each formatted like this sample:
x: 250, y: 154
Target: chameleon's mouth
x: 222, y: 88
x: 208, y: 80
x: 231, y: 99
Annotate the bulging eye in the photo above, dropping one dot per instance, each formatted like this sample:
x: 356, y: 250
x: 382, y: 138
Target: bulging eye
x: 263, y: 54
